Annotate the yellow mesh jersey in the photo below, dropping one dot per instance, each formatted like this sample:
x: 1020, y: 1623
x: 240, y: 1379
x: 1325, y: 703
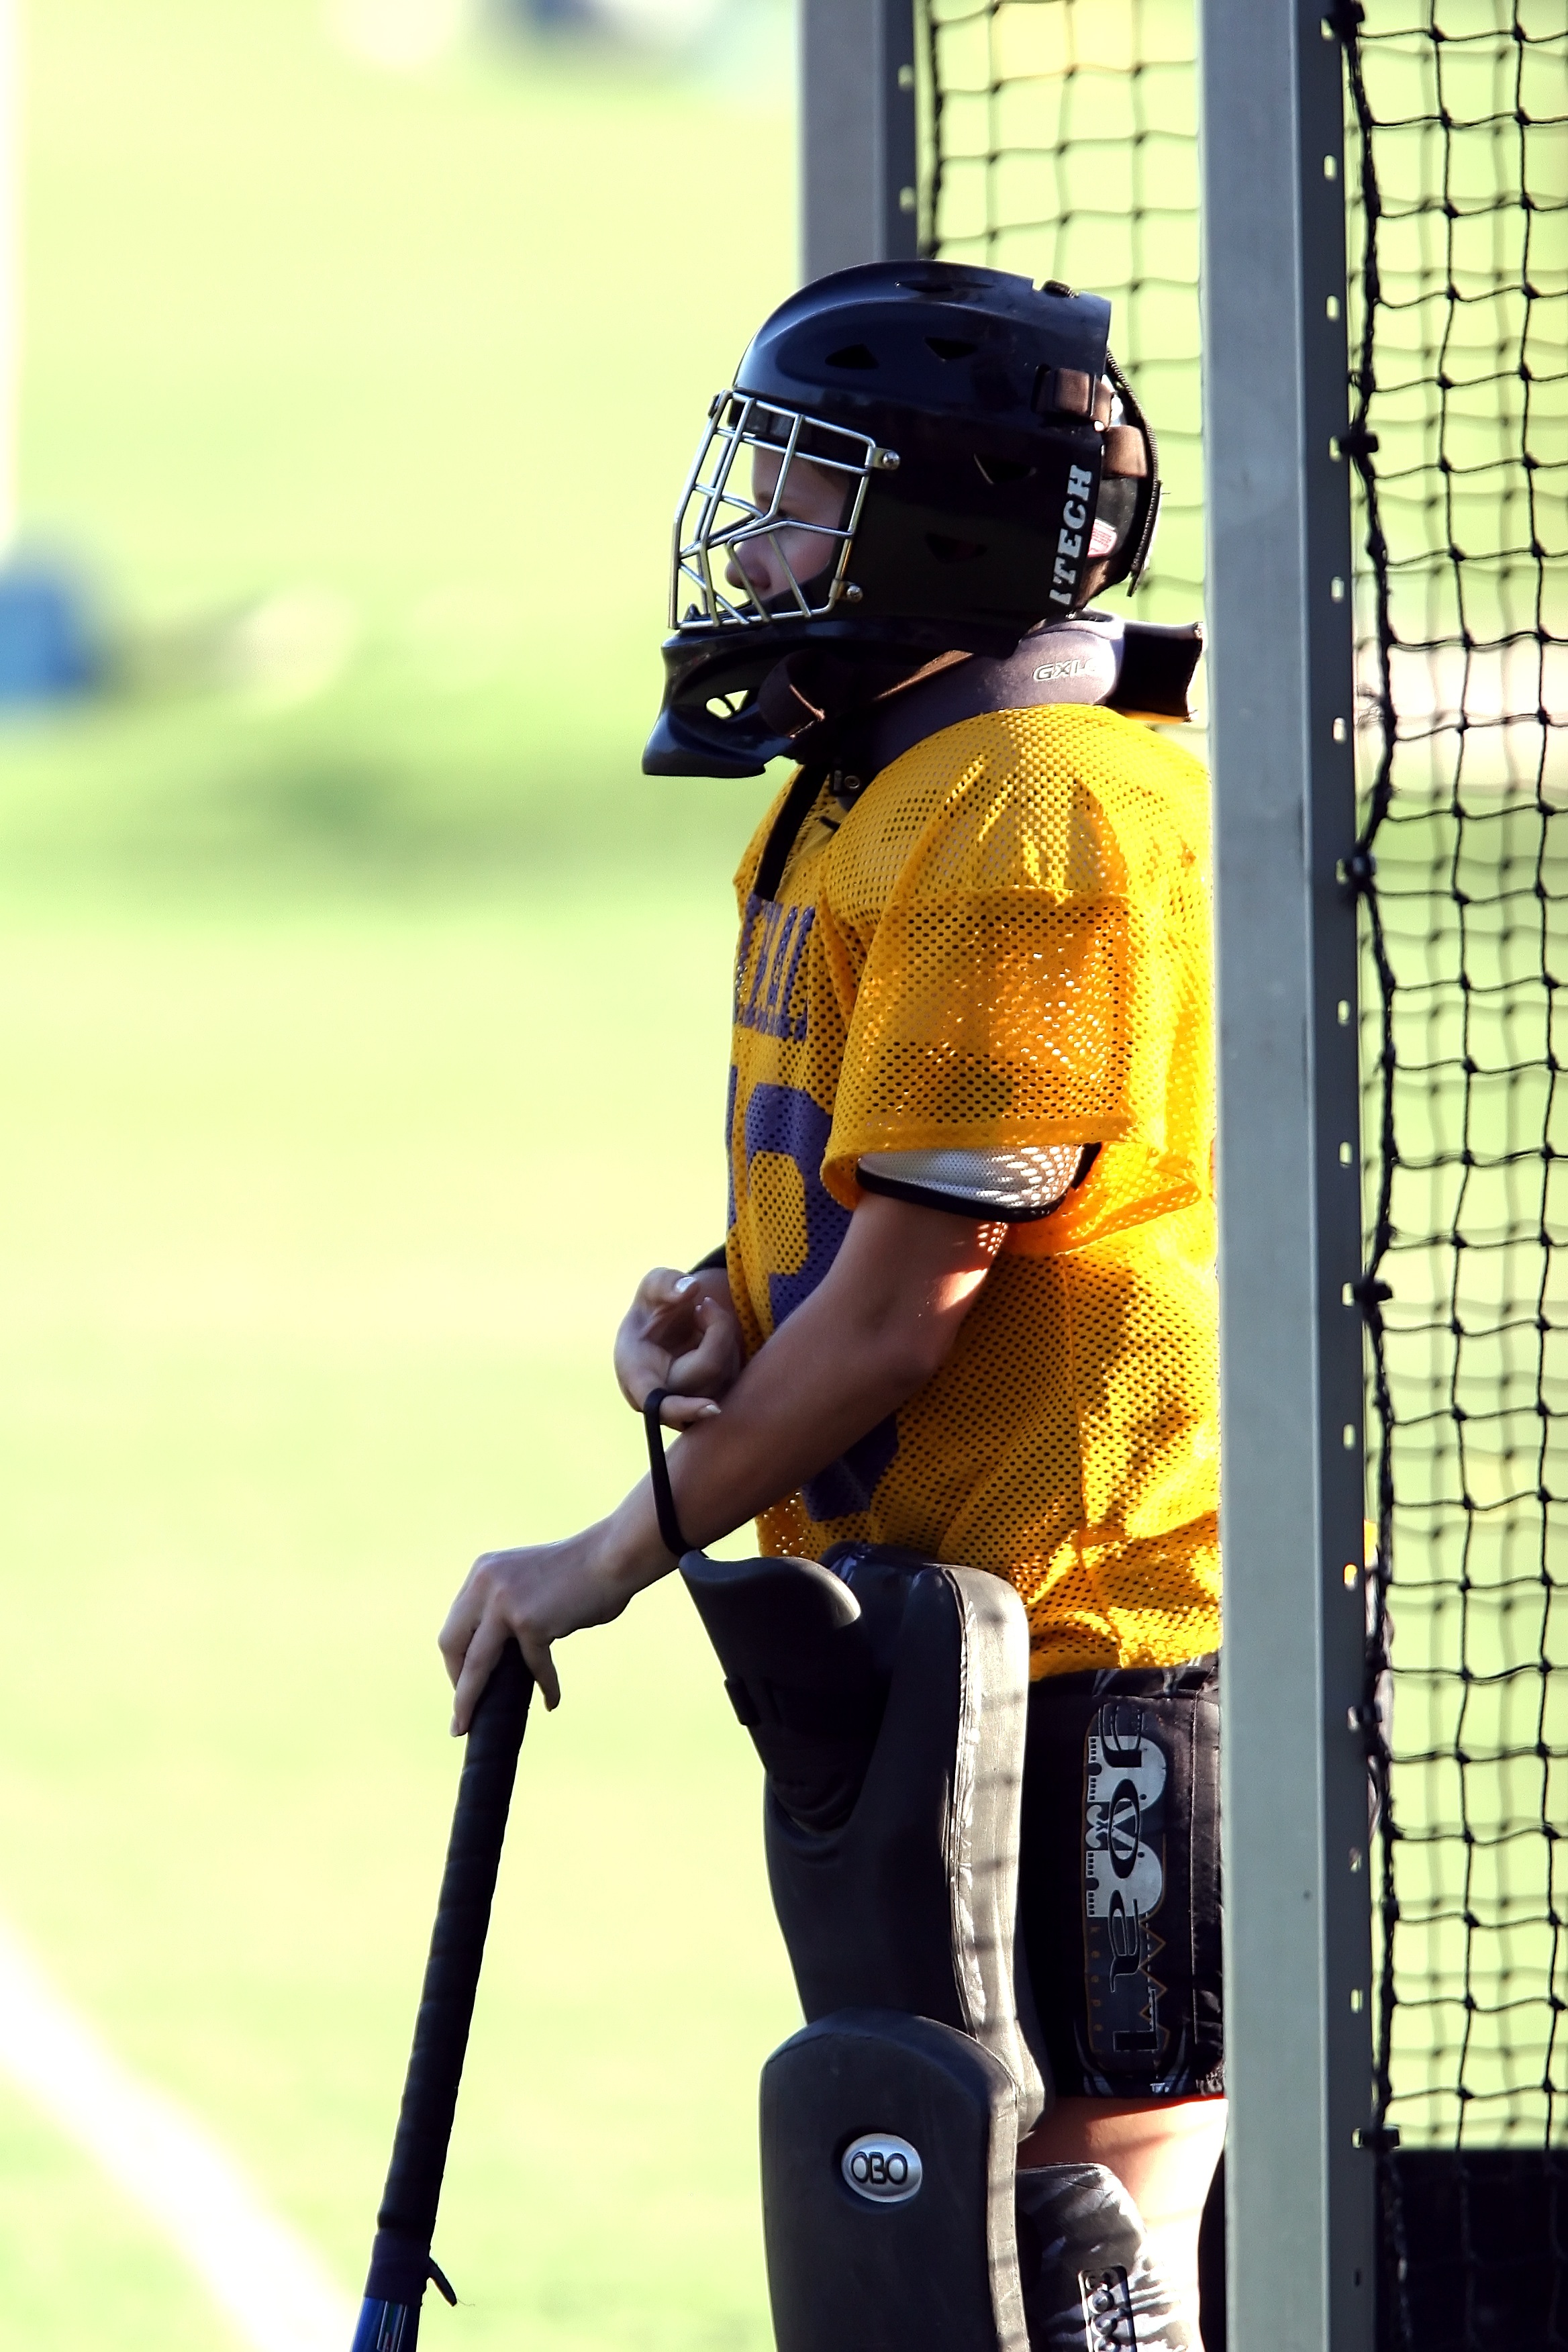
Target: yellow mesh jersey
x: 1006, y: 943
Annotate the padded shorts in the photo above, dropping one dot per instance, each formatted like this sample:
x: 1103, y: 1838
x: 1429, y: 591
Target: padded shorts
x: 1120, y: 1880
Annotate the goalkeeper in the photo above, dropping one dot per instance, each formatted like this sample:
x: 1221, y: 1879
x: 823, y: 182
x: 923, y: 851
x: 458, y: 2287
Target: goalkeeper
x: 966, y: 1304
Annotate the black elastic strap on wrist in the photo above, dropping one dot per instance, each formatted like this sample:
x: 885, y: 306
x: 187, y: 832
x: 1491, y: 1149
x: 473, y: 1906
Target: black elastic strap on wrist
x: 670, y: 1530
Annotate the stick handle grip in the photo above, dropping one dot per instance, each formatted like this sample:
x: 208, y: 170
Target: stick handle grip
x: 399, y: 2262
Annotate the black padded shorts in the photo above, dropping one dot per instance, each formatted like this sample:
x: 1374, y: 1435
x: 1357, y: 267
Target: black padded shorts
x: 1120, y: 1885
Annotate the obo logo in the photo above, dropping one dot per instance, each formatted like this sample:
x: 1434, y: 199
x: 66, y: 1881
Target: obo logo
x: 883, y: 2169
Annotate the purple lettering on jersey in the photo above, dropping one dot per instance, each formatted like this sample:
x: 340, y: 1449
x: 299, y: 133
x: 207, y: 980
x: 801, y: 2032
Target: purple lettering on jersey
x: 729, y: 1149
x: 779, y: 934
x: 847, y: 1484
x: 755, y: 910
x: 759, y: 930
x: 787, y: 1119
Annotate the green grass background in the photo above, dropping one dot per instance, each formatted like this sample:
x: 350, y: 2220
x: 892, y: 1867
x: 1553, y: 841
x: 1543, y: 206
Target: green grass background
x: 361, y: 1039
x: 359, y: 1047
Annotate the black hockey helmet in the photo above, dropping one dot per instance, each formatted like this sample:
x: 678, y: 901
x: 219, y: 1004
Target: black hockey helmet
x: 975, y: 464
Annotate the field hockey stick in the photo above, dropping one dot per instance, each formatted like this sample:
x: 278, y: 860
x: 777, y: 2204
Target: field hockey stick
x: 400, y: 2263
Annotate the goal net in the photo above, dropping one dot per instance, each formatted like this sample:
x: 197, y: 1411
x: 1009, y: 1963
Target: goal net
x: 1058, y: 139
x: 1459, y: 219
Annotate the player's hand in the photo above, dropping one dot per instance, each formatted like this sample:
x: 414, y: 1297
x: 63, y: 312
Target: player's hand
x: 538, y: 1593
x: 679, y: 1333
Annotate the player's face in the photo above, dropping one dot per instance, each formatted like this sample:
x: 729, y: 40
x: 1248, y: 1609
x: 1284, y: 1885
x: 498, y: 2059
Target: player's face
x: 811, y: 495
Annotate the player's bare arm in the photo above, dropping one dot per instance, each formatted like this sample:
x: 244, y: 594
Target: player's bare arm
x: 881, y: 1325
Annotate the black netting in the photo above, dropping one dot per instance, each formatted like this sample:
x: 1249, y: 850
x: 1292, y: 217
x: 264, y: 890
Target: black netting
x: 1457, y: 183
x: 1060, y: 140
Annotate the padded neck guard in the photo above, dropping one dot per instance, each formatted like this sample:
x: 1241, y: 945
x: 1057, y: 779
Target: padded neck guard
x: 1132, y: 666
x: 1144, y: 671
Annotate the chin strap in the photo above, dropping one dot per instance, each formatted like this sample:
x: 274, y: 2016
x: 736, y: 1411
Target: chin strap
x: 817, y: 696
x: 669, y: 1528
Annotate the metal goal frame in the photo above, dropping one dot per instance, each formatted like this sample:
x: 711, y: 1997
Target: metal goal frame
x: 1300, y: 2171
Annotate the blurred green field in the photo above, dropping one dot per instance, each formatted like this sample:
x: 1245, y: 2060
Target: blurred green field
x: 362, y: 1038
x: 367, y: 399
x: 315, y: 1236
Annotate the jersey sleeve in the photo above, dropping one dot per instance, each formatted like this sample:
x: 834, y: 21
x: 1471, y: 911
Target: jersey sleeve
x: 1024, y: 989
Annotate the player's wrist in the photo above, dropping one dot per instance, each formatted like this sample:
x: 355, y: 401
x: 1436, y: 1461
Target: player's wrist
x: 626, y: 1551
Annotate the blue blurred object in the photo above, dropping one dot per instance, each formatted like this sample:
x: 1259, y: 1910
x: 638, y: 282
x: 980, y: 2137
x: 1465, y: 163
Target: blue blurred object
x: 48, y: 649
x: 549, y: 13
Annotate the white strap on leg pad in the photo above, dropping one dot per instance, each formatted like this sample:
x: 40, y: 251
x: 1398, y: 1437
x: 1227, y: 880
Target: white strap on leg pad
x: 1090, y: 2282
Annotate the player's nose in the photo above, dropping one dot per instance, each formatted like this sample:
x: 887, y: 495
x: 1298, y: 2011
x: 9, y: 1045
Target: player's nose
x: 751, y: 563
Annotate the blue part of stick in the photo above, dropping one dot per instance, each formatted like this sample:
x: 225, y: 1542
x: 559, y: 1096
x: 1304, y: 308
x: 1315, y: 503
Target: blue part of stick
x: 386, y: 2326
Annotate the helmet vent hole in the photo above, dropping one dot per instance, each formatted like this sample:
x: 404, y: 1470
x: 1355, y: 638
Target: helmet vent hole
x: 950, y: 347
x: 953, y: 551
x: 853, y: 356
x: 998, y: 471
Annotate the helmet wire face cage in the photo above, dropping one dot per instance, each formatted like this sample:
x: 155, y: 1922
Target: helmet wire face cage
x: 729, y: 507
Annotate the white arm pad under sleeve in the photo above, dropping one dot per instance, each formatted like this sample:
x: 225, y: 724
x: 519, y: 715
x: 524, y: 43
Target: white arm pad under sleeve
x: 1003, y: 1184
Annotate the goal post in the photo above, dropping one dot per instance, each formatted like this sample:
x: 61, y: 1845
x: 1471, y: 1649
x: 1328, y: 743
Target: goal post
x: 1031, y: 122
x: 1301, y: 2169
x: 1379, y: 537
x: 858, y: 143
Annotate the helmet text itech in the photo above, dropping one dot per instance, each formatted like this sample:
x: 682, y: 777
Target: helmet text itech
x: 1070, y: 538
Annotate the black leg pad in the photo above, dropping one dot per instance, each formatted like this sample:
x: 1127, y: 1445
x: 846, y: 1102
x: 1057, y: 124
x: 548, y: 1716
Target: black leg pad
x: 888, y: 2266
x: 909, y: 1903
x: 805, y: 1672
x: 886, y: 1702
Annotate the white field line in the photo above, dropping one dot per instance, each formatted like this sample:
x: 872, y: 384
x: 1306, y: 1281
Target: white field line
x: 270, y: 2284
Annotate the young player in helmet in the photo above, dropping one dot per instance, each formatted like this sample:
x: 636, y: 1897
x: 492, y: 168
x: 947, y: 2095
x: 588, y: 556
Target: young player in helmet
x: 966, y: 1304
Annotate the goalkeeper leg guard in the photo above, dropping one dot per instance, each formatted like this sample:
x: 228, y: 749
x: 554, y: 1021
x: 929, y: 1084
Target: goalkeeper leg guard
x: 1090, y: 2282
x: 887, y: 1702
x: 887, y: 1699
x: 889, y: 2144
